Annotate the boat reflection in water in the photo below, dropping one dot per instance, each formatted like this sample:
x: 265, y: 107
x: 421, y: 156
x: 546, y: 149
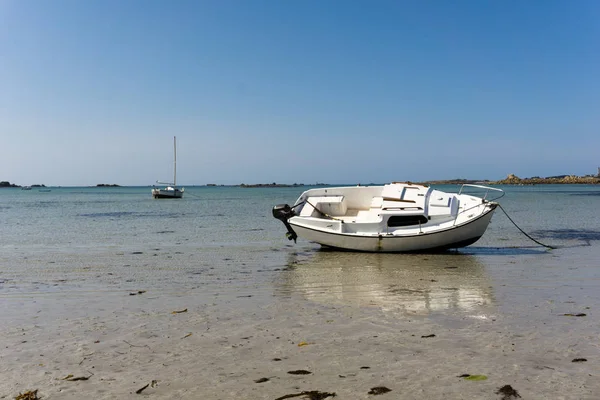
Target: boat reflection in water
x: 412, y: 284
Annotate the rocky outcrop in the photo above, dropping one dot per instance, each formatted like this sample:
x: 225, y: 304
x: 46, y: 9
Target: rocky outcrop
x: 512, y: 179
x: 6, y: 184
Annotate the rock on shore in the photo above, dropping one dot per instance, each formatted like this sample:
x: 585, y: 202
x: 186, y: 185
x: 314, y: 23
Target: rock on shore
x: 512, y: 179
x: 5, y: 184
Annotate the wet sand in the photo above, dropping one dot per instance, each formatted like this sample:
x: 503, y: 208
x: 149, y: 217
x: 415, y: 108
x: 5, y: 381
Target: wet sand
x: 413, y: 324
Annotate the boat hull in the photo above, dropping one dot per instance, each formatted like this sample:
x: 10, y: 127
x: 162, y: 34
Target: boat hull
x: 167, y: 194
x: 453, y: 237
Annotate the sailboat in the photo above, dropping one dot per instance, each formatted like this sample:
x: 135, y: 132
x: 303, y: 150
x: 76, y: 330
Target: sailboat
x: 171, y: 191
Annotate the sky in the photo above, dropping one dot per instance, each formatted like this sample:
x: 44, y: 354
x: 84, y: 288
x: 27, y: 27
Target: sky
x: 335, y: 91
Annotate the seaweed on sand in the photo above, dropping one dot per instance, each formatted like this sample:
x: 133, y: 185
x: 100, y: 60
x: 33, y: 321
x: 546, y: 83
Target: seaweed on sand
x: 379, y: 390
x: 299, y: 372
x: 508, y: 392
x: 28, y: 395
x: 310, y: 395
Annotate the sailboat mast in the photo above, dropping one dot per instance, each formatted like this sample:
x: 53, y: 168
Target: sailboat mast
x: 174, y: 161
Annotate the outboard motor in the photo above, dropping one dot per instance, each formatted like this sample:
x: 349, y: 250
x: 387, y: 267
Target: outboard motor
x: 283, y: 212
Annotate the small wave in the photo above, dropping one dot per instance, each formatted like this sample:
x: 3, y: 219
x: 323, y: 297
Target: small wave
x: 585, y: 235
x: 501, y: 251
x: 584, y: 193
x: 137, y: 214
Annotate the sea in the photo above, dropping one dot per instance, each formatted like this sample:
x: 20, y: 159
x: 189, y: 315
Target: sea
x: 73, y: 242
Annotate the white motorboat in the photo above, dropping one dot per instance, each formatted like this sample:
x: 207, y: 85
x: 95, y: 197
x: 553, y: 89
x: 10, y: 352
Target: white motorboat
x: 171, y: 191
x: 397, y: 217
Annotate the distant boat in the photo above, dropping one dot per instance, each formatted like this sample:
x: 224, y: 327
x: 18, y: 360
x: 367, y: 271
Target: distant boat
x: 26, y: 188
x: 45, y: 190
x: 171, y: 191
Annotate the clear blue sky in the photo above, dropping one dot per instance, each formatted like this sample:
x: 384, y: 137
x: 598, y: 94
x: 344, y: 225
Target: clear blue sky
x: 297, y: 91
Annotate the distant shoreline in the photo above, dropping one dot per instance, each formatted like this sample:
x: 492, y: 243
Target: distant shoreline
x: 262, y: 185
x: 511, y: 179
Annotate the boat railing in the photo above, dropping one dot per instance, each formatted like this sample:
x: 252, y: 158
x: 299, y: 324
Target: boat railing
x: 487, y: 190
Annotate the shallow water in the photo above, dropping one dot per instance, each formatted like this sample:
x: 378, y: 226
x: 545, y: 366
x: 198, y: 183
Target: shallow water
x: 77, y: 241
x: 109, y: 284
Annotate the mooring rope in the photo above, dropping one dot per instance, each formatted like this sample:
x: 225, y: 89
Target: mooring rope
x: 193, y: 195
x: 522, y: 231
x: 299, y: 204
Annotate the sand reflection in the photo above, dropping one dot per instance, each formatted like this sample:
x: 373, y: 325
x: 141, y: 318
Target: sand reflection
x: 411, y: 284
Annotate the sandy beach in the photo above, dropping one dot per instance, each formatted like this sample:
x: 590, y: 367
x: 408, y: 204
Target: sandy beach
x: 176, y: 176
x: 417, y: 331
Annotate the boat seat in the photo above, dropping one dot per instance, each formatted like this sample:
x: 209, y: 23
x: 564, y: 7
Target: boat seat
x: 330, y: 205
x: 413, y: 193
x: 377, y: 202
x: 443, y: 205
x: 407, y: 194
x: 381, y: 202
x: 440, y: 201
x: 392, y: 192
